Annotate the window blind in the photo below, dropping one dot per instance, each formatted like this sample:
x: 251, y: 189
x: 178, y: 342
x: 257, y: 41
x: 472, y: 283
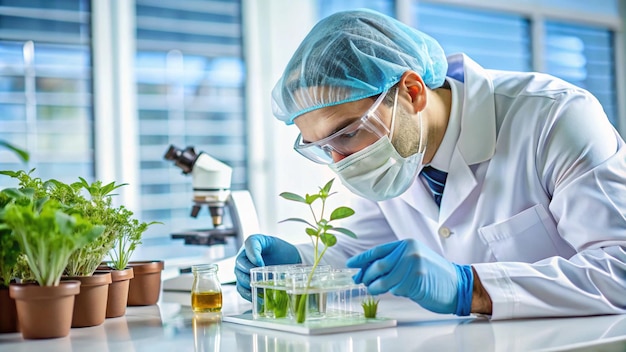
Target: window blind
x: 494, y: 40
x: 328, y: 7
x: 584, y: 56
x: 190, y: 75
x: 45, y: 87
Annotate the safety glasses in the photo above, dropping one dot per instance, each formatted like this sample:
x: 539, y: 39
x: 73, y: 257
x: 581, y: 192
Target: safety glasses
x: 350, y: 139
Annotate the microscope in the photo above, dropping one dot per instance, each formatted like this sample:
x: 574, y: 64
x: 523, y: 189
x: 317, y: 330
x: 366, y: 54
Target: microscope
x: 233, y: 215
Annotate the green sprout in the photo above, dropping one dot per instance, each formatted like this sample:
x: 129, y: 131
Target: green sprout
x: 370, y: 307
x: 320, y: 230
x: 276, y: 301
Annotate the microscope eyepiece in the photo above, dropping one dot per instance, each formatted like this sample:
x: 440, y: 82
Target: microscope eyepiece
x: 183, y: 158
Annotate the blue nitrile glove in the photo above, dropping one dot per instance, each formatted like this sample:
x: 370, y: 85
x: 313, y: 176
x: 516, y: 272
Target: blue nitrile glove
x: 410, y: 269
x: 262, y: 250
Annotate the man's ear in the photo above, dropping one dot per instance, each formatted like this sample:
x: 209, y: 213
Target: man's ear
x: 413, y: 86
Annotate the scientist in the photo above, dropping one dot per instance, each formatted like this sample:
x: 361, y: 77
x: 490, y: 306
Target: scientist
x: 479, y: 191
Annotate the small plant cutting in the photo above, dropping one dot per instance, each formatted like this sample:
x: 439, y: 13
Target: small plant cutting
x: 370, y: 307
x: 275, y: 301
x: 321, y: 233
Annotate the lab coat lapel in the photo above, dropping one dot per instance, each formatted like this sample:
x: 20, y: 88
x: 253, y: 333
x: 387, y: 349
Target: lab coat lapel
x: 461, y: 181
x: 477, y: 138
x: 418, y: 196
x: 477, y: 141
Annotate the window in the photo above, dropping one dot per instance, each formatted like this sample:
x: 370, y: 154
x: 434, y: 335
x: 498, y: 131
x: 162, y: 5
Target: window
x: 45, y: 88
x: 190, y: 77
x: 583, y: 55
x: 189, y: 82
x: 328, y: 7
x: 494, y: 40
x: 580, y: 54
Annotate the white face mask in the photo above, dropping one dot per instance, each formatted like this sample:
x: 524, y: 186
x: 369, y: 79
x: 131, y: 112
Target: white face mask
x: 378, y: 172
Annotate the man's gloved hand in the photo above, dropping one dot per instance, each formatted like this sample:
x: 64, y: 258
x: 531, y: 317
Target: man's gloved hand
x: 410, y: 269
x: 261, y: 250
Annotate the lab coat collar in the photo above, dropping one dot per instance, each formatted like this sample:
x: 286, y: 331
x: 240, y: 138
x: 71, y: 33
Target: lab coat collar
x: 476, y: 141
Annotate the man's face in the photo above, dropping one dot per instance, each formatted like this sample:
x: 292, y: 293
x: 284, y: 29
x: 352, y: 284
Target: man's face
x: 321, y: 123
x: 407, y: 134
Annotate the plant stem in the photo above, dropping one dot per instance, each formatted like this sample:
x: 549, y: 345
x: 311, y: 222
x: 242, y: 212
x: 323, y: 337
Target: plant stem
x: 301, y: 306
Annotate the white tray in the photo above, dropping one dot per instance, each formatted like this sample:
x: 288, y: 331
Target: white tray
x: 316, y: 327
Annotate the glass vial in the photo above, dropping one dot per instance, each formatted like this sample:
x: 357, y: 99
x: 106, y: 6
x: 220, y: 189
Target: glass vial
x: 206, y: 291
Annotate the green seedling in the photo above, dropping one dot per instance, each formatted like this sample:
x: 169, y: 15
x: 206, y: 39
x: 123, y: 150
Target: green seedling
x: 321, y: 232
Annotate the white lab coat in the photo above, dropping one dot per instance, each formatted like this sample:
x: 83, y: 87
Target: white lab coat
x: 535, y: 199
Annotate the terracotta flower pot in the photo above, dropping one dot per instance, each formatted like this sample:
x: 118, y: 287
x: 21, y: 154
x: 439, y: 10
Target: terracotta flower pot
x: 44, y: 311
x: 145, y: 287
x: 90, y: 305
x: 118, y: 291
x: 8, y: 312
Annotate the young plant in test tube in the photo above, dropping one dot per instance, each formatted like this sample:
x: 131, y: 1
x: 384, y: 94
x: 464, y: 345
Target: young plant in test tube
x: 321, y: 232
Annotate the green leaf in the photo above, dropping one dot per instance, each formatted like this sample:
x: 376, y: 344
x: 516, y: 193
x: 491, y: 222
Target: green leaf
x: 84, y: 182
x: 39, y: 203
x: 326, y: 188
x: 311, y: 232
x: 9, y: 173
x: 298, y: 220
x: 344, y: 231
x: 292, y: 196
x: 13, y: 193
x: 341, y: 212
x: 106, y: 189
x: 66, y: 223
x: 312, y: 198
x: 20, y: 153
x: 328, y: 239
x: 50, y: 184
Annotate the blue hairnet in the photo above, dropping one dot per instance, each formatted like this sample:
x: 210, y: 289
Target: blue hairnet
x: 352, y: 55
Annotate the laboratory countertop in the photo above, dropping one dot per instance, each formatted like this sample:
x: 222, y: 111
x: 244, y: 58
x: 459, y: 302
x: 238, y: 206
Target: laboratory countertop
x: 170, y: 325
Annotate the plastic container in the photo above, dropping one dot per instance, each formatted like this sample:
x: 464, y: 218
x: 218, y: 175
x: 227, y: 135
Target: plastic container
x: 291, y: 292
x: 329, y: 294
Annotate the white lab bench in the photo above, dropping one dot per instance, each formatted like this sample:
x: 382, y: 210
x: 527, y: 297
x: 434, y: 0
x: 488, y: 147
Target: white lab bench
x: 169, y: 326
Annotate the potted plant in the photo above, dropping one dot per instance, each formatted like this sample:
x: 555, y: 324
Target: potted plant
x: 47, y: 234
x: 121, y: 236
x: 127, y: 238
x: 98, y: 209
x: 9, y: 253
x: 91, y: 303
x: 323, y: 236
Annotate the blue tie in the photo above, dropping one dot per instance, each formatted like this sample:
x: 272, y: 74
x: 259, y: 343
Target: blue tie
x: 436, y: 180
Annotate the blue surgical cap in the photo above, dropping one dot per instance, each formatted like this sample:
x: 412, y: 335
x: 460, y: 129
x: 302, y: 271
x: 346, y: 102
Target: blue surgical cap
x: 352, y: 55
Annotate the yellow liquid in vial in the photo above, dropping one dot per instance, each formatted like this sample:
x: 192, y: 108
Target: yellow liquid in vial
x: 210, y: 301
